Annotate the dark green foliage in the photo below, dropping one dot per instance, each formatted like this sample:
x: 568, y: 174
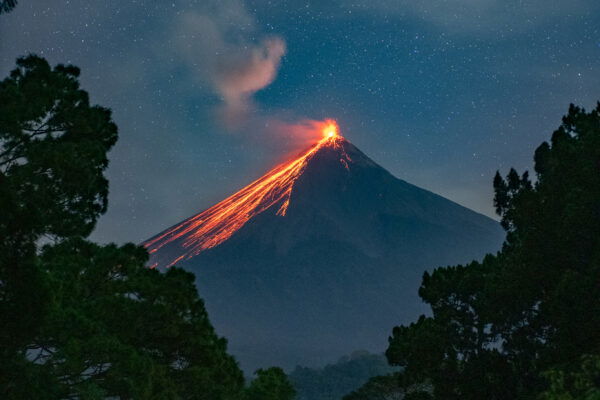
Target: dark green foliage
x: 336, y: 380
x: 53, y: 147
x: 7, y: 5
x: 418, y: 395
x: 53, y: 152
x: 386, y: 387
x: 270, y: 384
x: 391, y: 387
x: 120, y: 329
x: 581, y: 383
x: 499, y: 325
x: 81, y: 320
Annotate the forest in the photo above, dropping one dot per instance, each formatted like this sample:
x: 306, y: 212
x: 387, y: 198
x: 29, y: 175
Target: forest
x: 82, y: 320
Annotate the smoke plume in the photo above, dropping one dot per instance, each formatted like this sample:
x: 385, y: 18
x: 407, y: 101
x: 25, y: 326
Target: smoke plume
x: 216, y: 43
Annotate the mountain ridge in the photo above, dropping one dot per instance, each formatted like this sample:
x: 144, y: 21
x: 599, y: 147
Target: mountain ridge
x: 338, y: 268
x: 216, y: 224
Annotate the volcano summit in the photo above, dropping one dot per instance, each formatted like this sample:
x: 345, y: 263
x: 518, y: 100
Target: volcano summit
x: 321, y: 256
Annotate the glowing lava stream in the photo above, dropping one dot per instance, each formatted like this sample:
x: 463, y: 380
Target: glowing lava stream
x: 218, y: 223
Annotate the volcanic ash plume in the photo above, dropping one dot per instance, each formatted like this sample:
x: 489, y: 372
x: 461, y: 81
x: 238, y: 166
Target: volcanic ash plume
x: 219, y: 46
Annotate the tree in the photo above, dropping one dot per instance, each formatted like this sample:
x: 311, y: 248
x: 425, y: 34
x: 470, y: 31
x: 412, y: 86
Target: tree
x: 270, y: 384
x: 583, y: 383
x: 334, y: 381
x: 501, y: 327
x: 81, y: 320
x: 385, y: 387
x: 7, y: 5
x: 133, y: 332
x: 53, y: 147
x: 53, y: 154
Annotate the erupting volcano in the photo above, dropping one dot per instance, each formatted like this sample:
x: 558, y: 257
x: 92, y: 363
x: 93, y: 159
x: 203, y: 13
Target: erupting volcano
x: 321, y: 256
x: 215, y: 225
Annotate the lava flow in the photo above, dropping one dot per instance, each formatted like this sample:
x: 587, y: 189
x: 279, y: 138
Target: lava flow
x: 218, y: 223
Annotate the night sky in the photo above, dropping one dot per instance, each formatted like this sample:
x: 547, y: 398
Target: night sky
x: 206, y: 93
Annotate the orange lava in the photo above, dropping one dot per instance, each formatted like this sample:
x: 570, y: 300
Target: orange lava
x: 330, y: 129
x: 218, y: 223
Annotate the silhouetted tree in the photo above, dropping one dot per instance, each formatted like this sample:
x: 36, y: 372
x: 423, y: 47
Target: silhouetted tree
x: 336, y: 380
x: 580, y: 383
x: 501, y: 328
x: 270, y: 384
x: 385, y: 387
x: 119, y: 329
x: 7, y: 5
x: 53, y: 147
x: 81, y: 320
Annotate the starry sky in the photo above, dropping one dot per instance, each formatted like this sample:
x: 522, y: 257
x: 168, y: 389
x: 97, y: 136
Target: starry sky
x: 208, y: 94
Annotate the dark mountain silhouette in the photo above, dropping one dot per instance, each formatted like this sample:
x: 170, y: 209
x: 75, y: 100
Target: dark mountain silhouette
x: 321, y: 256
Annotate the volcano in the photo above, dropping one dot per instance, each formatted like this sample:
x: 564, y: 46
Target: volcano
x: 321, y: 256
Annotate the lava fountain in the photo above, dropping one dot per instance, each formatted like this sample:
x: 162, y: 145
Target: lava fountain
x: 218, y: 223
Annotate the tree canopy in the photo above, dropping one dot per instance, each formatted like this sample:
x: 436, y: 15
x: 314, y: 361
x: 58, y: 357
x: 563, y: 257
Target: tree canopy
x: 334, y: 381
x: 524, y: 322
x: 53, y: 147
x: 80, y: 320
x: 384, y: 387
x: 7, y: 5
x: 270, y: 384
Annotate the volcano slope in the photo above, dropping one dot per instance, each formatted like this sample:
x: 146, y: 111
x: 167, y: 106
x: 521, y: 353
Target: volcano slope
x: 321, y: 256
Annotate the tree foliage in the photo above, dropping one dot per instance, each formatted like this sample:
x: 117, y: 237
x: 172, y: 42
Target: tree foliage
x: 579, y: 383
x: 334, y: 381
x: 133, y: 332
x: 270, y: 384
x: 384, y: 387
x: 517, y: 324
x: 53, y: 147
x: 81, y: 320
x: 53, y: 153
x: 391, y: 387
x: 7, y: 6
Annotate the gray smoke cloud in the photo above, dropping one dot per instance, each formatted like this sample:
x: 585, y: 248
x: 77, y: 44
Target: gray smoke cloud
x: 226, y: 51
